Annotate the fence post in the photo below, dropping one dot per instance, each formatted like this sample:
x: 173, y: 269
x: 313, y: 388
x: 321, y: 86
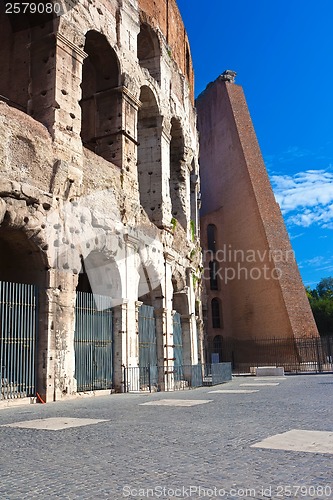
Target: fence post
x: 318, y: 355
x: 149, y: 378
x: 125, y: 384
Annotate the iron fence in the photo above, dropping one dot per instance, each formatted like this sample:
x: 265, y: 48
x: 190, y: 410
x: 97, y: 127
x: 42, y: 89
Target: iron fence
x: 93, y: 341
x: 18, y: 338
x: 165, y: 378
x: 301, y: 355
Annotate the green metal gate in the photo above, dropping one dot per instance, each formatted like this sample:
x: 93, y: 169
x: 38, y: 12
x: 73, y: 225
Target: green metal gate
x: 147, y: 346
x: 178, y: 347
x: 93, y: 342
x: 178, y: 339
x: 18, y: 339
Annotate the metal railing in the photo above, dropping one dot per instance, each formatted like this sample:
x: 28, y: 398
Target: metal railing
x: 299, y: 355
x: 93, y: 341
x: 18, y: 339
x: 166, y: 378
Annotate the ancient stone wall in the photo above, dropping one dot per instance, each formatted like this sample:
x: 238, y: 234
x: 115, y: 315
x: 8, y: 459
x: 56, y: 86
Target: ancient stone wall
x: 86, y: 142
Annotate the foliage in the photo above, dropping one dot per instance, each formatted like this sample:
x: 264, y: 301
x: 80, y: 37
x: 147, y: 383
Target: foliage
x: 321, y: 302
x: 192, y: 226
x: 173, y: 224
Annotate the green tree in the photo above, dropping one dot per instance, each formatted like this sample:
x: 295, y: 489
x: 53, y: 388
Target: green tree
x: 325, y: 288
x: 321, y: 302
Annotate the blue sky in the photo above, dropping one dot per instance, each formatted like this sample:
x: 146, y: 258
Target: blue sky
x: 283, y: 55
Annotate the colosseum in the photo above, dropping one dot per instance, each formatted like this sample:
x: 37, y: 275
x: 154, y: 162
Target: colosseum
x: 100, y: 256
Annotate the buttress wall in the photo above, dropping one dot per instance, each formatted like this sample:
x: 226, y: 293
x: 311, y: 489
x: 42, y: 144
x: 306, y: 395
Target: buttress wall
x: 256, y: 277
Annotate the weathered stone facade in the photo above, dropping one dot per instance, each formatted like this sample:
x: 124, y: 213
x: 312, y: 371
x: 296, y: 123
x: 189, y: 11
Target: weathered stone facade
x: 253, y: 287
x: 99, y: 176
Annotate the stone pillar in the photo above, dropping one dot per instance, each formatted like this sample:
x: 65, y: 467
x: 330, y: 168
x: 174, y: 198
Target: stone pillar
x: 191, y: 318
x: 168, y: 325
x: 129, y: 110
x: 120, y: 348
x: 160, y: 316
x: 62, y: 296
x: 55, y: 92
x: 166, y: 215
x: 46, y: 346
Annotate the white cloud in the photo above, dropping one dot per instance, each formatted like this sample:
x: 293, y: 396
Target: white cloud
x: 308, y: 194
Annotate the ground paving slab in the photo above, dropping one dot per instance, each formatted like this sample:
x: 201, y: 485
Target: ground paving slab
x: 127, y: 449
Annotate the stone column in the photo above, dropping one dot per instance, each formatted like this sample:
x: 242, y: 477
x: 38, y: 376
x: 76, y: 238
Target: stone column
x: 55, y: 92
x: 166, y: 215
x: 120, y: 348
x: 61, y: 300
x: 168, y: 325
x: 160, y: 316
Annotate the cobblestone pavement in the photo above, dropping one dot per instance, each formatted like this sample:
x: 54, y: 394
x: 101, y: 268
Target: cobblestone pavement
x: 147, y: 451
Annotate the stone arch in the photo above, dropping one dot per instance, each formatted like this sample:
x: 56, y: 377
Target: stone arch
x: 211, y: 238
x: 178, y: 191
x: 149, y: 51
x: 27, y: 58
x: 217, y: 345
x: 214, y: 275
x: 194, y: 209
x: 100, y: 275
x: 23, y: 262
x: 149, y: 156
x: 101, y: 117
x: 187, y: 62
x: 216, y: 313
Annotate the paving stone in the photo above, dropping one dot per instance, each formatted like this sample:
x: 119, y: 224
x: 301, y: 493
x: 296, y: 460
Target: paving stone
x: 145, y: 447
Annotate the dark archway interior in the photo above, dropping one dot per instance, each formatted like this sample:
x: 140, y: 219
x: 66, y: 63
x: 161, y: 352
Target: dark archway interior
x: 19, y: 34
x: 20, y: 260
x: 101, y: 102
x: 149, y: 51
x: 177, y: 179
x: 83, y: 283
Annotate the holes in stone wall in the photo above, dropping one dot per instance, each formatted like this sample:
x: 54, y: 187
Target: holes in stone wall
x: 24, y: 67
x: 149, y: 156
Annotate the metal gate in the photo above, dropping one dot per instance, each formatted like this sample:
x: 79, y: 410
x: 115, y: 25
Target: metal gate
x: 178, y: 339
x: 18, y: 338
x: 93, y: 342
x: 147, y: 346
x: 178, y: 347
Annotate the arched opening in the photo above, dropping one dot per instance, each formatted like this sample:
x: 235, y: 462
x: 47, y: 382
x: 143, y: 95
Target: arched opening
x: 217, y: 349
x: 194, y: 200
x: 214, y: 275
x: 101, y: 120
x: 177, y: 183
x: 211, y: 238
x: 216, y: 310
x: 98, y: 291
x: 149, y: 329
x: 149, y: 156
x: 26, y: 81
x: 188, y: 63
x: 149, y: 52
x: 23, y: 280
